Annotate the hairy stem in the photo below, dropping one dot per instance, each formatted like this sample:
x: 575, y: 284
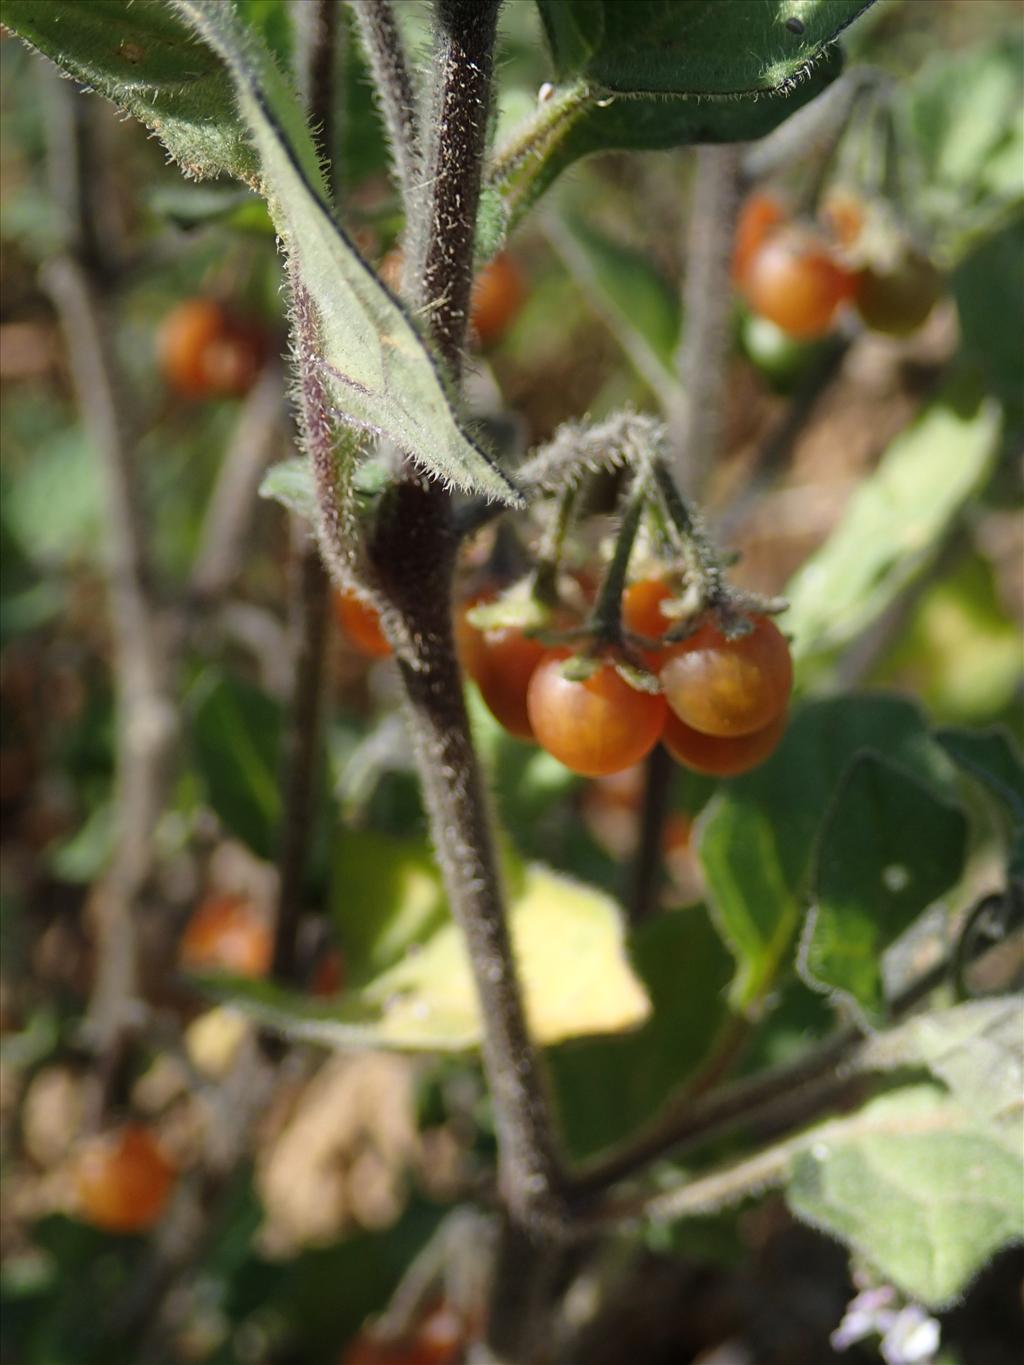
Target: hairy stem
x: 382, y: 43
x: 308, y: 599
x: 413, y: 555
x: 147, y: 717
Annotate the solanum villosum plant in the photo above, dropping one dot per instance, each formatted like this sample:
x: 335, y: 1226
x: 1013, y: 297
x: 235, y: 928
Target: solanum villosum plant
x: 605, y: 634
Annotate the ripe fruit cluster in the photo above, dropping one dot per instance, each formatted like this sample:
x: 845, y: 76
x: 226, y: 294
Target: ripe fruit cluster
x: 207, y: 351
x: 122, y: 1180
x: 721, y: 709
x: 800, y: 276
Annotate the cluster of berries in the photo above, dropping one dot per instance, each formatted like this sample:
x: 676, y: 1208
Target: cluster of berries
x: 721, y: 708
x: 800, y: 275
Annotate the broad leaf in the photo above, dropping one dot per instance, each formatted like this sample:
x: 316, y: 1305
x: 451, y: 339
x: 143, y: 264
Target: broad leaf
x: 758, y: 837
x: 143, y: 57
x: 893, y: 523
x: 569, y: 946
x: 659, y: 47
x: 607, y: 1087
x: 988, y: 286
x: 889, y: 847
x: 917, y: 1187
x: 579, y: 122
x: 386, y: 899
x: 370, y: 358
x: 235, y: 731
x: 963, y: 112
x: 732, y: 71
x: 991, y: 758
x: 976, y: 1049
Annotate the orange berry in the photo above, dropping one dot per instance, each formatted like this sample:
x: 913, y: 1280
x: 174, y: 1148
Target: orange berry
x: 227, y: 934
x: 718, y: 757
x: 361, y: 624
x: 122, y: 1180
x: 729, y: 687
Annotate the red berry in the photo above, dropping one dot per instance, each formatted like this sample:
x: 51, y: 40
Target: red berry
x: 227, y: 934
x: 595, y: 727
x: 760, y: 215
x: 122, y: 1180
x: 717, y: 757
x: 794, y: 282
x: 205, y: 351
x: 361, y: 624
x: 498, y: 295
x: 729, y: 687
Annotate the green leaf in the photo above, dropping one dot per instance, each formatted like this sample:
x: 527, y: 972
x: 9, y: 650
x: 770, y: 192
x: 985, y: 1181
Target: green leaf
x: 629, y: 293
x: 757, y: 839
x: 976, y: 1049
x: 889, y: 847
x: 894, y: 522
x: 960, y: 617
x: 195, y: 206
x: 369, y: 356
x: 54, y: 507
x: 658, y: 47
x: 991, y: 758
x: 607, y: 1087
x: 235, y: 730
x: 140, y: 55
x: 290, y: 482
x: 386, y: 896
x: 577, y: 121
x: 568, y: 944
x: 963, y: 112
x: 988, y: 286
x: 917, y: 1187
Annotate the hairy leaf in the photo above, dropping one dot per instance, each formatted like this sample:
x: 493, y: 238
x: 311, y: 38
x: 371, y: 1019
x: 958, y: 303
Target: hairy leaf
x: 922, y: 1191
x: 889, y: 847
x: 145, y: 58
x: 370, y: 358
x: 709, y: 47
x: 577, y: 122
x: 976, y: 1049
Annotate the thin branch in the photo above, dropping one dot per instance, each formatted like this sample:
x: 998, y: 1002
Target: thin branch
x: 649, y: 861
x: 686, y: 1123
x: 382, y: 43
x: 702, y: 359
x: 147, y: 717
x: 223, y: 538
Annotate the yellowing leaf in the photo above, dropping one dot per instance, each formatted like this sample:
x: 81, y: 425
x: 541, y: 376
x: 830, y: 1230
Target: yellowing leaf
x: 569, y: 944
